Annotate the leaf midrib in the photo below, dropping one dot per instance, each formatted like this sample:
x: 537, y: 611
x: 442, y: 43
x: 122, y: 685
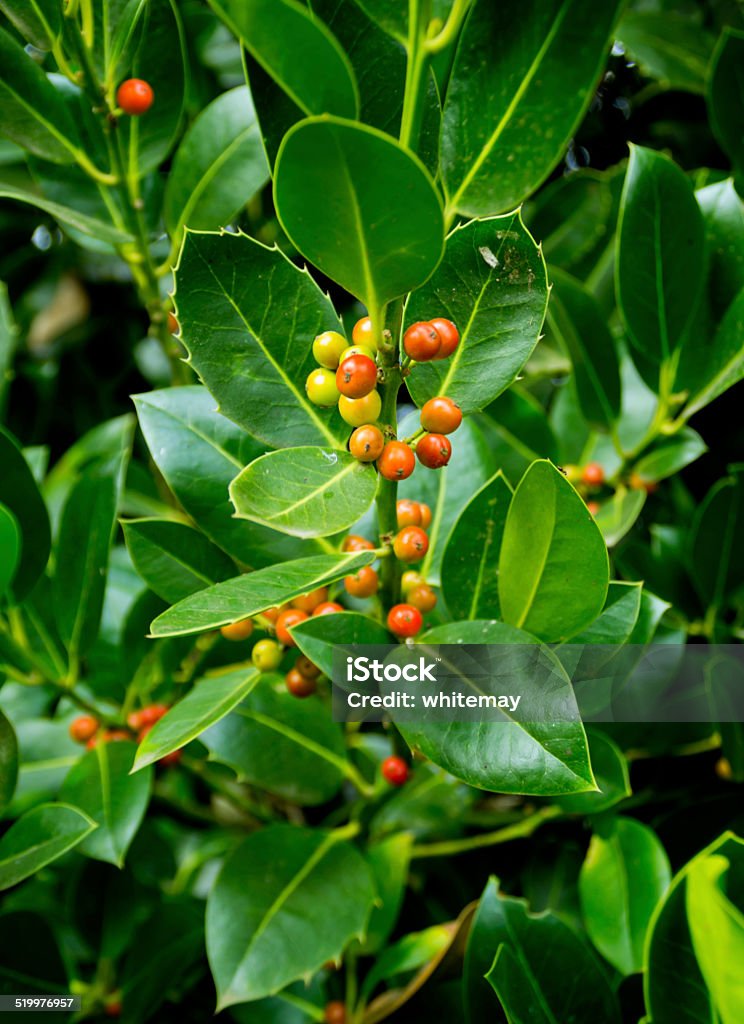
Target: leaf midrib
x: 279, y: 369
x: 308, y: 867
x: 515, y: 101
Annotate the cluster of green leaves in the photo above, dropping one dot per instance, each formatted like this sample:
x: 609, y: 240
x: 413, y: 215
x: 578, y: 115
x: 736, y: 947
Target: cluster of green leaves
x: 396, y: 152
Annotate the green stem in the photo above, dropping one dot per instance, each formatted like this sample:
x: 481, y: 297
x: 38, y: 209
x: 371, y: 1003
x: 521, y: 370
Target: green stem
x: 520, y: 830
x: 417, y: 66
x: 447, y: 35
x: 221, y: 786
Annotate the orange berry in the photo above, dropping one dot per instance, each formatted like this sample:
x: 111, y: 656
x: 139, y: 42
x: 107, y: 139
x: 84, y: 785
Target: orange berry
x: 329, y: 608
x: 366, y: 443
x: 309, y: 602
x: 425, y: 515
x: 299, y: 685
x: 397, y: 461
x: 83, y: 728
x: 356, y: 543
x: 363, y: 583
x: 408, y: 513
x: 593, y: 474
x: 422, y: 597
x: 411, y: 544
x: 240, y: 630
x: 284, y: 623
x: 449, y: 334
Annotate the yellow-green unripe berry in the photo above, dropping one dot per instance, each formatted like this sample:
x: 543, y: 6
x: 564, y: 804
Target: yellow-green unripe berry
x: 358, y: 411
x: 266, y: 655
x: 356, y: 350
x: 321, y: 387
x: 327, y: 348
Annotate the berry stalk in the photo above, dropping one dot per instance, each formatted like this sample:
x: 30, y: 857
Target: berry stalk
x: 387, y: 492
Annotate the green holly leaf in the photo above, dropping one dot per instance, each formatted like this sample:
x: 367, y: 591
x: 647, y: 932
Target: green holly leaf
x: 617, y: 915
x: 672, y: 454
x: 723, y: 215
x: 39, y: 837
x: 492, y: 283
x: 254, y: 592
x: 8, y: 761
x: 675, y: 987
x: 198, y: 452
x: 248, y: 318
x: 219, y: 165
x: 101, y: 786
x: 526, y: 958
x: 539, y: 749
x: 660, y: 254
x: 33, y: 112
x: 306, y: 492
x: 67, y: 215
x: 504, y: 128
x: 11, y: 542
x: 553, y: 569
x: 610, y: 769
x: 173, y: 559
x: 319, y: 637
x: 719, y: 365
x: 717, y: 931
x: 717, y: 558
x: 39, y: 21
x: 209, y: 701
x: 297, y: 50
x: 575, y: 316
x: 383, y: 234
x: 470, y: 564
x: 726, y: 94
x: 285, y: 746
x: 286, y: 901
x: 19, y: 493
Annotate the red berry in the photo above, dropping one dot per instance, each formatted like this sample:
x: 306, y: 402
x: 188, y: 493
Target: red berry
x: 284, y: 623
x: 170, y: 759
x: 113, y: 1009
x: 408, y: 513
x: 397, y: 461
x: 308, y: 668
x: 434, y: 451
x: 356, y: 376
x: 335, y: 1012
x: 240, y: 630
x: 441, y: 415
x: 309, y: 602
x: 404, y: 620
x: 449, y: 334
x: 422, y: 342
x: 394, y: 770
x: 363, y: 583
x: 422, y: 597
x: 425, y: 515
x: 356, y: 543
x: 366, y: 443
x: 329, y: 608
x: 135, y: 96
x: 593, y: 507
x: 299, y: 685
x: 593, y: 474
x: 173, y: 326
x: 152, y: 713
x: 83, y: 728
x: 411, y: 544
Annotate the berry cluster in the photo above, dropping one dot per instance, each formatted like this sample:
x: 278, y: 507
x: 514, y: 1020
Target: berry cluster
x: 347, y: 375
x: 267, y: 654
x: 87, y: 729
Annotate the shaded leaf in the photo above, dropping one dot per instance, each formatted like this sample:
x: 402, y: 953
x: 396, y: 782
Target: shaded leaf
x: 40, y: 836
x: 101, y: 786
x: 286, y: 901
x: 20, y: 494
x: 553, y: 569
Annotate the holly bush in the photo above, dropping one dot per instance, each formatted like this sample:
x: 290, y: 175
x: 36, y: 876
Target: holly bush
x: 525, y: 222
